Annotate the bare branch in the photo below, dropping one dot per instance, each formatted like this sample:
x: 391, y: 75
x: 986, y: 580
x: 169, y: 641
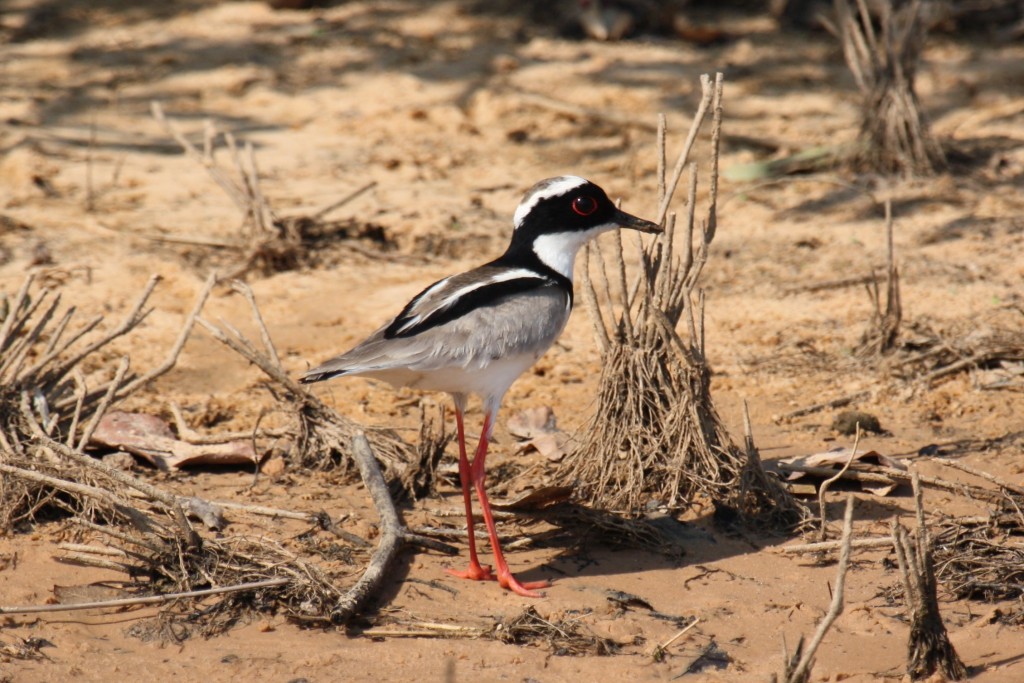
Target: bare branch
x: 147, y: 600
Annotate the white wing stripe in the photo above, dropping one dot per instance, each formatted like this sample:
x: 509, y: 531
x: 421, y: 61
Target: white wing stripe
x: 442, y: 301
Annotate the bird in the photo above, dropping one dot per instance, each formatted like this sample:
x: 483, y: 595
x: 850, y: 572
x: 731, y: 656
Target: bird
x: 475, y: 333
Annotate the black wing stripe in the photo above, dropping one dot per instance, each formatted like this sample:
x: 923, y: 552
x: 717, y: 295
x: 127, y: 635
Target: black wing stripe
x: 481, y: 297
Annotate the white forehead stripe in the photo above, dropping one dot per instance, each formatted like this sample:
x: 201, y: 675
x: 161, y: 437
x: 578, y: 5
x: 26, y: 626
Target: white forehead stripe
x: 552, y: 187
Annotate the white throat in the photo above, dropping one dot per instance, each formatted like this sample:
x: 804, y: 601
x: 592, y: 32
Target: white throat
x: 558, y: 250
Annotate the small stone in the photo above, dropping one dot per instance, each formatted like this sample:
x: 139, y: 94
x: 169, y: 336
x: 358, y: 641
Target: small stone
x: 846, y: 422
x: 273, y: 466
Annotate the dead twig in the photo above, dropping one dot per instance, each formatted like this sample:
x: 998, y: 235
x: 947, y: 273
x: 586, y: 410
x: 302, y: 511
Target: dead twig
x: 143, y: 600
x: 426, y: 630
x: 800, y: 672
x: 884, y: 330
x: 334, y: 206
x: 562, y: 107
x: 823, y: 285
x: 325, y: 437
x: 823, y: 488
x: 825, y: 546
x: 659, y: 650
x: 998, y: 481
x: 825, y: 405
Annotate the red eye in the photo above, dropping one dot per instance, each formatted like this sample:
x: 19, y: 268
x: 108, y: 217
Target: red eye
x: 584, y: 205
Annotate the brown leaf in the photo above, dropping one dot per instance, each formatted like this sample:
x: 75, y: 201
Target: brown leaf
x: 836, y: 458
x: 151, y: 439
x: 537, y: 426
x: 551, y: 446
x: 537, y: 499
x: 530, y: 422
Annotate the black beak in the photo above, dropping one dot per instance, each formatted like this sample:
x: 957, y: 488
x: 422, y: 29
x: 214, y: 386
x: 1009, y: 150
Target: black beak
x: 627, y: 220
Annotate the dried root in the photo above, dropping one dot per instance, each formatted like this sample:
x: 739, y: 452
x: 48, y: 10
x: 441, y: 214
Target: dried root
x: 894, y: 134
x: 928, y: 650
x: 656, y: 435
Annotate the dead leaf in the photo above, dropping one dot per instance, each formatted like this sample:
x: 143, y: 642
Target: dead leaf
x: 624, y: 599
x: 530, y: 422
x: 537, y: 429
x: 537, y: 499
x: 90, y: 592
x: 211, y: 514
x: 836, y: 458
x: 552, y: 446
x: 151, y: 439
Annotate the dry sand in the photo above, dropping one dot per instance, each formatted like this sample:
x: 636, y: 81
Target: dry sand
x: 427, y: 100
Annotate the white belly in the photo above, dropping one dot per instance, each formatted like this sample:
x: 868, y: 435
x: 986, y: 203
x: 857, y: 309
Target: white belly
x: 493, y: 379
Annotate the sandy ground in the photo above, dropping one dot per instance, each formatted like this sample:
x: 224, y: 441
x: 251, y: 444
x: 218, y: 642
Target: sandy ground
x: 433, y: 103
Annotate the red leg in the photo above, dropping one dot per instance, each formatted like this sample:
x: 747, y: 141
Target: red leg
x: 505, y: 578
x: 475, y: 572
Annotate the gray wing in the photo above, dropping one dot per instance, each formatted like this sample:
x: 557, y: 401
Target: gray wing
x: 460, y: 323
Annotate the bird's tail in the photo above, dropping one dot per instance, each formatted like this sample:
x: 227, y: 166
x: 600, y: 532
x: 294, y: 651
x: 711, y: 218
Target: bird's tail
x: 320, y: 374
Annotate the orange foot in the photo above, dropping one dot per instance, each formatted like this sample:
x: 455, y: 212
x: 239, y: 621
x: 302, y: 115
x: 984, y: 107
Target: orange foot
x: 525, y: 589
x: 475, y: 572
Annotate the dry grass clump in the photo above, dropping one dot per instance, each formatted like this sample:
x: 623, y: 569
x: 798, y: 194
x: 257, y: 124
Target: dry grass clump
x: 146, y: 533
x: 49, y: 409
x: 894, y: 135
x: 656, y: 436
x: 563, y: 637
x: 266, y: 242
x: 982, y: 558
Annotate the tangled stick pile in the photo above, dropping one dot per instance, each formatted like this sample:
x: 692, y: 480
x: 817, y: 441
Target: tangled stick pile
x: 45, y: 396
x: 49, y: 410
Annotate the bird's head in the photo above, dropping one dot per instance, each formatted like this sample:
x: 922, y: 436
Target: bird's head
x: 559, y: 215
